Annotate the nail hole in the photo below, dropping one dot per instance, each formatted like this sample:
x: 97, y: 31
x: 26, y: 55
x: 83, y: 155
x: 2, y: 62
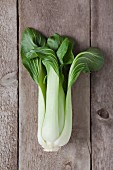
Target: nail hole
x: 103, y: 113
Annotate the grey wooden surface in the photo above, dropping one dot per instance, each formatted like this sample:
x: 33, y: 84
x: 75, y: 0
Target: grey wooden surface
x: 91, y: 145
x: 102, y: 87
x: 8, y: 85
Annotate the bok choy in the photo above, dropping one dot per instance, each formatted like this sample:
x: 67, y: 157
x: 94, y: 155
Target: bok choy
x: 53, y: 67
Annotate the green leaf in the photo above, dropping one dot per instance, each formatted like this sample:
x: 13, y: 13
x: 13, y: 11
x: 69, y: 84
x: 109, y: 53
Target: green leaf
x: 66, y: 57
x: 87, y: 61
x: 64, y: 52
x: 54, y: 41
x: 30, y: 40
x: 47, y: 56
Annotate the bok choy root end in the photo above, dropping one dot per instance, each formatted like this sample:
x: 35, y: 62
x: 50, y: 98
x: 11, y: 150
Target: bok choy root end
x: 53, y: 67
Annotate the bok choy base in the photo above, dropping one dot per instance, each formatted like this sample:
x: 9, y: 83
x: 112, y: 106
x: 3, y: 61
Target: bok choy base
x: 53, y: 67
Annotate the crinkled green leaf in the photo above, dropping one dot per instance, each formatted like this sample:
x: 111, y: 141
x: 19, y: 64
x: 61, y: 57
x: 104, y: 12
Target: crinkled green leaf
x: 54, y: 41
x: 47, y: 56
x: 87, y: 61
x: 30, y: 40
x: 64, y: 52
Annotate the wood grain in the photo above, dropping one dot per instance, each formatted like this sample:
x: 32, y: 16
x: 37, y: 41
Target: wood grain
x: 8, y: 85
x: 67, y: 18
x: 102, y: 87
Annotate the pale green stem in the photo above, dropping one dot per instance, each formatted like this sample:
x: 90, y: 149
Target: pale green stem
x: 41, y: 114
x: 66, y: 133
x: 61, y: 105
x: 50, y: 129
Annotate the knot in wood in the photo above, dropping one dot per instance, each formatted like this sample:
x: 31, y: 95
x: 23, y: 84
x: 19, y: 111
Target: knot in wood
x: 68, y: 166
x: 103, y: 113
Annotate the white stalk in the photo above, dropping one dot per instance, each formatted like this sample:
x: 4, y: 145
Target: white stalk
x: 41, y: 113
x: 50, y: 129
x: 61, y: 105
x: 66, y: 133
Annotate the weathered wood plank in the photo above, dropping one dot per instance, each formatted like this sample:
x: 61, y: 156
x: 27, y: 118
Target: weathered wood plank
x: 68, y: 18
x: 8, y: 85
x: 102, y: 87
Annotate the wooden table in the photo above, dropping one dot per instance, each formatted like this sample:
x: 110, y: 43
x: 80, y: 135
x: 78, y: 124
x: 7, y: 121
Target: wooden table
x: 90, y: 23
